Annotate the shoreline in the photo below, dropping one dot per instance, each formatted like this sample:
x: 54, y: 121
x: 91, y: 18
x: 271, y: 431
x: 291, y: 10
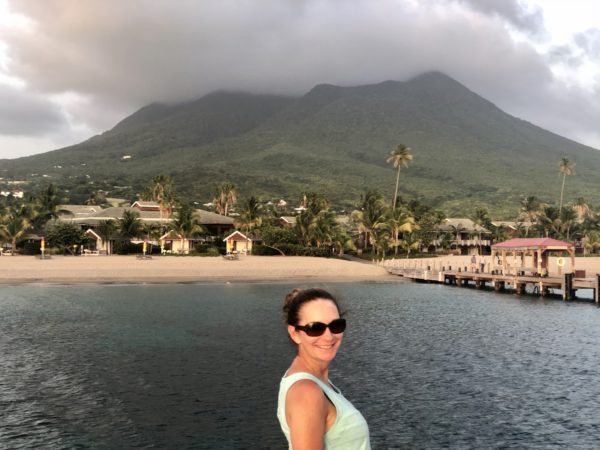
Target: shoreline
x: 128, y: 270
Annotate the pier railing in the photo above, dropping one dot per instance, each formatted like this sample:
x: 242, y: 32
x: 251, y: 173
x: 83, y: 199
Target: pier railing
x: 518, y: 281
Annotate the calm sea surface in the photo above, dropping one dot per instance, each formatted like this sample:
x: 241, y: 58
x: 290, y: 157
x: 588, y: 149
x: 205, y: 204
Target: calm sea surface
x: 198, y: 366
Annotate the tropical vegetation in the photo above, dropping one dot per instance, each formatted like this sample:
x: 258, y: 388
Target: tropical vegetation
x: 373, y: 228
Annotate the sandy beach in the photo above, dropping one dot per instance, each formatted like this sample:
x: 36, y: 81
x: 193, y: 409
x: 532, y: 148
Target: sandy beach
x: 172, y: 269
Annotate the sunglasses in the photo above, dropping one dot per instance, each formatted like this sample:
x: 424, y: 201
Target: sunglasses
x: 315, y: 329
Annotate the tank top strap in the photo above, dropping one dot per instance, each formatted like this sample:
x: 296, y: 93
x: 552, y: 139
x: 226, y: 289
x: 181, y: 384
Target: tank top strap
x: 327, y: 389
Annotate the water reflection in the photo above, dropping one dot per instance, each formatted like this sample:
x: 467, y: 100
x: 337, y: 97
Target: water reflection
x: 198, y: 366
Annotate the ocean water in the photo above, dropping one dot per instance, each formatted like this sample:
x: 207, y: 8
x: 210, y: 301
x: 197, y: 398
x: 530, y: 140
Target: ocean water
x: 198, y: 366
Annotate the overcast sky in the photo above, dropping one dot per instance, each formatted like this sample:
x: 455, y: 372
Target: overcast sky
x: 70, y: 69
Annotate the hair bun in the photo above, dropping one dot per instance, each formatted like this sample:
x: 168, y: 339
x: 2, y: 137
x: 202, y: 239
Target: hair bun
x: 289, y: 299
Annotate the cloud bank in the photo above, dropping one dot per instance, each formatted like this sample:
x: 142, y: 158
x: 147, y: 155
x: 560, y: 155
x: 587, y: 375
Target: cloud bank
x: 83, y: 66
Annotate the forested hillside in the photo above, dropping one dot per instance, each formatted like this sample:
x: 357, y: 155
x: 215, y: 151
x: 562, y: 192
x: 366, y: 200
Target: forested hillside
x: 335, y: 140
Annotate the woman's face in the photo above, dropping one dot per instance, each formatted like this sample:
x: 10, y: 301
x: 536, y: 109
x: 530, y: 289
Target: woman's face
x: 324, y: 347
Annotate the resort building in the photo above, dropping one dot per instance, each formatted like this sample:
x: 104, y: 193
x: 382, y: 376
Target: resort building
x: 89, y: 217
x: 463, y: 237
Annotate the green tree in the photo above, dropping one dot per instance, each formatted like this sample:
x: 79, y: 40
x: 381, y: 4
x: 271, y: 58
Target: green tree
x: 64, y: 235
x: 106, y: 229
x: 481, y: 219
x: 323, y: 228
x: 45, y: 206
x: 371, y: 217
x: 548, y: 222
x: 342, y: 241
x: 567, y: 223
x: 186, y: 224
x: 161, y: 191
x: 225, y: 196
x: 410, y: 242
x: 530, y: 209
x: 250, y: 214
x: 401, y: 156
x: 591, y: 242
x: 15, y: 223
x: 400, y: 221
x: 566, y: 168
x: 130, y: 224
x: 582, y: 208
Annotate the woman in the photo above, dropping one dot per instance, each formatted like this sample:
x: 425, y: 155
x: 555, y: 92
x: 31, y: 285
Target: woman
x: 312, y: 412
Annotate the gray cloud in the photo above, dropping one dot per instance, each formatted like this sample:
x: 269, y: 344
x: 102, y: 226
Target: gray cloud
x: 564, y: 54
x: 589, y: 42
x: 521, y: 16
x: 120, y: 55
x: 24, y: 114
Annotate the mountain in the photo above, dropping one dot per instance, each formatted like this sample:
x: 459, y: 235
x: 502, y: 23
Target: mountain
x: 335, y: 140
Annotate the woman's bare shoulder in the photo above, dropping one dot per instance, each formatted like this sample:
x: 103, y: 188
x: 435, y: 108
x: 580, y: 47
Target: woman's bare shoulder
x: 305, y: 393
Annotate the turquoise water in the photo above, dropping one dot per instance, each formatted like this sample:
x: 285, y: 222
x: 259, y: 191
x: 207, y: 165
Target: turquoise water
x: 198, y: 366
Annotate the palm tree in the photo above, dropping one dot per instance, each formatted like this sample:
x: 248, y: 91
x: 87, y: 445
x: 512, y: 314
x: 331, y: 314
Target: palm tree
x: 302, y: 227
x: 225, y: 196
x: 186, y: 224
x: 568, y: 220
x: 401, y: 156
x: 14, y: 225
x: 372, y: 216
x: 162, y: 193
x: 591, y: 241
x: 343, y: 241
x: 105, y: 230
x: 323, y: 228
x: 530, y: 208
x: 400, y: 221
x: 44, y: 206
x: 582, y: 208
x: 250, y: 214
x: 548, y: 223
x: 481, y: 219
x: 130, y: 224
x: 409, y: 242
x: 566, y: 168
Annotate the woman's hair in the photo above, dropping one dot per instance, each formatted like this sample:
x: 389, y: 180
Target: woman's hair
x: 297, y: 297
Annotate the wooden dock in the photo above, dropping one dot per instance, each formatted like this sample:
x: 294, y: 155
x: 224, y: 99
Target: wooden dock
x: 518, y: 283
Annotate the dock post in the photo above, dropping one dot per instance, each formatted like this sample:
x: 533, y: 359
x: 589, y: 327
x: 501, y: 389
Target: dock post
x: 597, y: 290
x: 520, y: 288
x: 568, y: 293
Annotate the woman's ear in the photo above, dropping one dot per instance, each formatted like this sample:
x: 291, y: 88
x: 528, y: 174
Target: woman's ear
x: 293, y: 334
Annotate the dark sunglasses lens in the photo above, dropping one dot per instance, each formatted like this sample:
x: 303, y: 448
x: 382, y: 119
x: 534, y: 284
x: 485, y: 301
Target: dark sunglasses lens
x: 337, y: 326
x: 315, y: 329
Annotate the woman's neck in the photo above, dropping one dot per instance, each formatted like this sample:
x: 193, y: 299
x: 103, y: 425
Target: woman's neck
x: 318, y: 369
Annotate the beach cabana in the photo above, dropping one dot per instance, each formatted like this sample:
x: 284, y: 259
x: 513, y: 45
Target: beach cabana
x: 176, y: 243
x: 538, y: 249
x: 237, y: 242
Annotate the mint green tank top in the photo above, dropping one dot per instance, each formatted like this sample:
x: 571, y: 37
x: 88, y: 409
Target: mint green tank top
x: 349, y: 431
